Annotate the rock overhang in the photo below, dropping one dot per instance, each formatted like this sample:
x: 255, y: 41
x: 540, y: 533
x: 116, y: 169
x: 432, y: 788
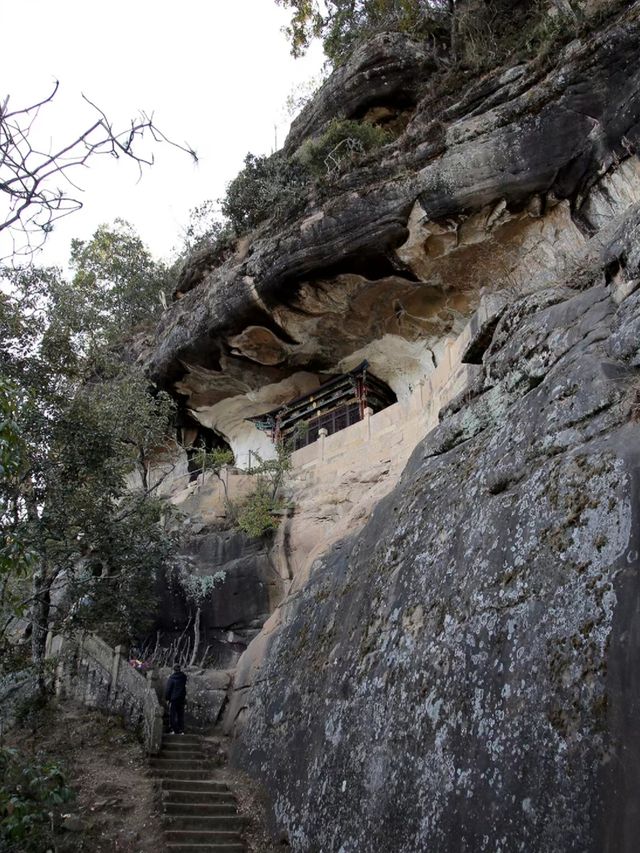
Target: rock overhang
x: 511, y: 170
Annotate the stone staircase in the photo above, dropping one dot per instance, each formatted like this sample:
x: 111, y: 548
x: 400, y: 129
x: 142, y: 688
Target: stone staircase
x: 199, y: 812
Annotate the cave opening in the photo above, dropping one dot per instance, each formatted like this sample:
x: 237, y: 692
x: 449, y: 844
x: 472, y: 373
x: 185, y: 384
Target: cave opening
x: 195, y: 438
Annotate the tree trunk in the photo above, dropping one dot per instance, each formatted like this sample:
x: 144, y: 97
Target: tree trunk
x: 453, y: 30
x: 196, y: 637
x: 40, y: 610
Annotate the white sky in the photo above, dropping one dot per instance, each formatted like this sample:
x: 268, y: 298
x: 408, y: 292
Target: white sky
x: 216, y: 73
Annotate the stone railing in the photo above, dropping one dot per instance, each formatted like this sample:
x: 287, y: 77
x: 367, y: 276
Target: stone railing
x: 17, y: 689
x: 98, y: 676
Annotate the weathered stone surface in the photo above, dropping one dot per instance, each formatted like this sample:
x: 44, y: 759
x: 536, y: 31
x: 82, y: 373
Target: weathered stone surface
x: 386, y: 72
x: 462, y: 674
x: 508, y: 139
x: 233, y: 583
x: 496, y: 187
x: 625, y: 339
x: 482, y: 326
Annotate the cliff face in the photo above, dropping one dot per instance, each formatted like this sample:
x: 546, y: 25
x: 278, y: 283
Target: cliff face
x: 480, y: 190
x: 457, y: 670
x: 460, y: 675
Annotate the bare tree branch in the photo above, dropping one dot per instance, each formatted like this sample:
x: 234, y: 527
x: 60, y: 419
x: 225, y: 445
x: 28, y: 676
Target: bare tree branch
x: 36, y: 187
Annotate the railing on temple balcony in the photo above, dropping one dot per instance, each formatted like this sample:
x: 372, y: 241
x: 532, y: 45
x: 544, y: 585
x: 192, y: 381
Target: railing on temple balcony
x: 336, y: 404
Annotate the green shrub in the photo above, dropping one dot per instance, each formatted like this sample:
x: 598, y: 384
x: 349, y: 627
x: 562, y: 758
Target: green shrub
x: 256, y: 515
x: 266, y: 187
x: 212, y: 460
x: 35, y: 711
x: 207, y: 232
x: 342, y: 143
x: 31, y: 793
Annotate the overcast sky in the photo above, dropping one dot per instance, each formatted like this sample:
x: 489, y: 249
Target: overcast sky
x: 215, y: 72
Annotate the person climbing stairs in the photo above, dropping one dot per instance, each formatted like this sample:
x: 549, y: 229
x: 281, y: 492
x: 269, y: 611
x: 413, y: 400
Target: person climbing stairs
x: 199, y: 811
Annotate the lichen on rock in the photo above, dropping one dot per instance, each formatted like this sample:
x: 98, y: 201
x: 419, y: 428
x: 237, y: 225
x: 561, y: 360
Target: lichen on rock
x: 445, y: 677
x: 450, y: 660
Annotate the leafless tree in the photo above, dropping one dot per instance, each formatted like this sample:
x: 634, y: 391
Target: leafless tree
x: 37, y: 185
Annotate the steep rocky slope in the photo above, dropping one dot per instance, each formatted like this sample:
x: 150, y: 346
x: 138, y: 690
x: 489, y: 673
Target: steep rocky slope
x: 458, y: 672
x: 460, y: 675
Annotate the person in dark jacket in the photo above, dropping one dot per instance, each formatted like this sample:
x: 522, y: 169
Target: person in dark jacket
x: 176, y: 693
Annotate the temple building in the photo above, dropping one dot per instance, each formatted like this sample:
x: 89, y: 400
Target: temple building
x: 336, y: 404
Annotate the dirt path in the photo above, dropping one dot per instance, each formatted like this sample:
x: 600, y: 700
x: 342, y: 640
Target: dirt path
x: 115, y: 809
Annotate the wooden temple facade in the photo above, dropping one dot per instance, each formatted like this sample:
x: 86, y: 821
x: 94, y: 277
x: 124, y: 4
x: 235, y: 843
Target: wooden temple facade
x: 338, y: 403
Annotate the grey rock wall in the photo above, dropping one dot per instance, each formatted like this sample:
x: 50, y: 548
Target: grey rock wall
x: 207, y: 691
x: 236, y: 585
x: 463, y: 675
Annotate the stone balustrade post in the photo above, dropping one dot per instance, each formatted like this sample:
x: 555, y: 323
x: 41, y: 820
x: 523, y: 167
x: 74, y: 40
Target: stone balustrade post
x: 367, y: 422
x: 118, y: 657
x: 48, y: 644
x: 322, y: 434
x: 153, y: 678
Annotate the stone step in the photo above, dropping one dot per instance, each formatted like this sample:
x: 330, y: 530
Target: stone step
x: 200, y: 813
x: 202, y: 808
x: 169, y: 773
x: 178, y: 755
x: 181, y: 739
x: 195, y: 836
x: 232, y: 847
x: 206, y: 823
x: 181, y: 747
x: 202, y: 785
x: 215, y: 798
x: 192, y: 733
x: 188, y: 749
x: 180, y: 763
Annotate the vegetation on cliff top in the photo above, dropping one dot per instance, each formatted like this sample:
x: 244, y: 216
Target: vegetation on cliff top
x: 466, y: 37
x: 457, y: 29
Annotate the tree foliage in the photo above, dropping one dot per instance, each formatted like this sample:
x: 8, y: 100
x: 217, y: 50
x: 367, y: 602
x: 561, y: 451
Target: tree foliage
x: 477, y: 34
x: 207, y: 231
x: 14, y: 553
x: 117, y: 279
x: 32, y: 793
x: 340, y: 24
x: 84, y: 421
x: 266, y: 186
